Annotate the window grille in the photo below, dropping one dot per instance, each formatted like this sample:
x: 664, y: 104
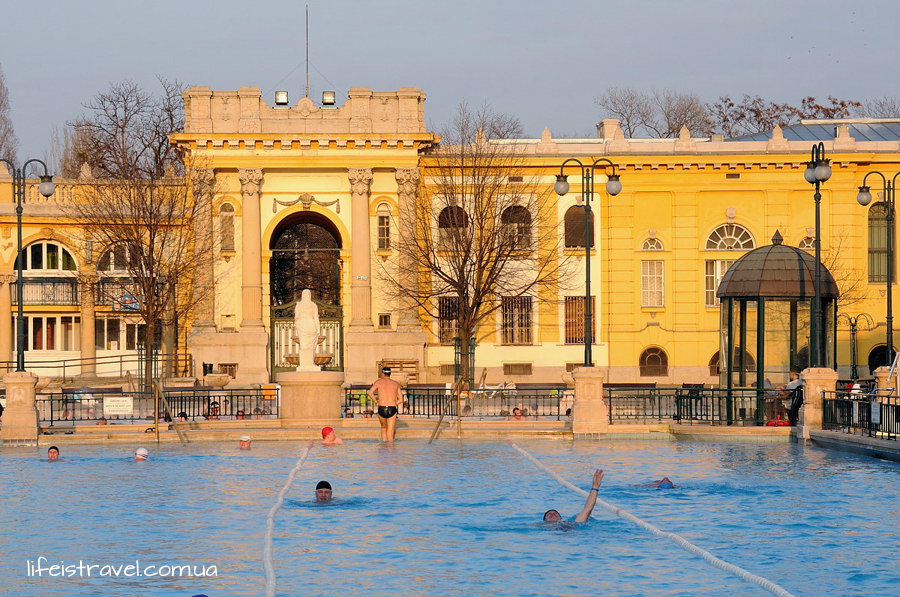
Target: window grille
x: 574, y: 319
x: 516, y: 314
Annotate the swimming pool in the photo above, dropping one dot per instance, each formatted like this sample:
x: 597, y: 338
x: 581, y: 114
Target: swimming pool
x: 452, y: 519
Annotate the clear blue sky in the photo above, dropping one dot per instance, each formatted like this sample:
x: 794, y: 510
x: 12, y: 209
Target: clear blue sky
x: 541, y: 61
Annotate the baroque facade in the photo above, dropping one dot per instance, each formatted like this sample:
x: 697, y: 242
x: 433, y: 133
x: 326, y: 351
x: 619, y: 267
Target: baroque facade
x: 310, y: 196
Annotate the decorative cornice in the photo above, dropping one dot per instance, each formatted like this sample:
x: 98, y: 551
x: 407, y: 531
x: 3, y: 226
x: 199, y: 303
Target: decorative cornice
x: 360, y: 180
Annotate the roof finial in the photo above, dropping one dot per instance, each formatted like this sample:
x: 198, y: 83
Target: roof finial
x: 777, y: 239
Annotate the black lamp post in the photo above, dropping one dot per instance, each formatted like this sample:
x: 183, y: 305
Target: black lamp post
x: 613, y: 187
x: 46, y: 189
x: 864, y: 198
x: 853, y: 322
x: 818, y: 170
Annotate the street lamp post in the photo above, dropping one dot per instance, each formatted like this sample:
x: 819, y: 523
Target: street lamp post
x: 613, y: 187
x: 818, y: 170
x: 853, y: 322
x: 46, y: 189
x: 864, y: 198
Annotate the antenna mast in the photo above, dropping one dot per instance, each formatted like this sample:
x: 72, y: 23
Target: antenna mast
x: 307, y: 50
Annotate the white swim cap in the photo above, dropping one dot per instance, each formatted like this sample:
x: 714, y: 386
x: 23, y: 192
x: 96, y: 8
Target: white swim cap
x: 245, y: 438
x: 141, y: 452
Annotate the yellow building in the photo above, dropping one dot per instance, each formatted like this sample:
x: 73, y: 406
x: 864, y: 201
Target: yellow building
x: 309, y: 195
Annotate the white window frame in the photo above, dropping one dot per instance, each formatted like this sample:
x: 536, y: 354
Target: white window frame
x: 714, y: 278
x: 653, y: 283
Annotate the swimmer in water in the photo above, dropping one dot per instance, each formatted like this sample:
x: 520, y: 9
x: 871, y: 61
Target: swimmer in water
x: 663, y: 483
x: 323, y: 491
x: 555, y: 516
x: 52, y: 453
x: 329, y: 438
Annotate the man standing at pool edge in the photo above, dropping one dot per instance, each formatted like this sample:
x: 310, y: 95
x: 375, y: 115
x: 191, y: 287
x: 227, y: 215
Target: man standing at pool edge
x: 388, y: 401
x: 555, y: 516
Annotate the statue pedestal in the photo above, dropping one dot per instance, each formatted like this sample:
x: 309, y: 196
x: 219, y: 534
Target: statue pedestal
x: 590, y: 414
x: 20, y: 418
x: 310, y: 394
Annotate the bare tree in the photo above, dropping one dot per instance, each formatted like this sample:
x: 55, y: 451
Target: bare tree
x: 9, y: 143
x: 674, y: 110
x: 880, y: 107
x: 485, y: 234
x: 633, y: 108
x: 140, y: 211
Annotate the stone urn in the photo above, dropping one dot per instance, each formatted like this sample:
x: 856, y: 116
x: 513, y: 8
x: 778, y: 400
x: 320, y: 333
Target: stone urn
x: 216, y: 381
x: 323, y: 359
x: 42, y: 383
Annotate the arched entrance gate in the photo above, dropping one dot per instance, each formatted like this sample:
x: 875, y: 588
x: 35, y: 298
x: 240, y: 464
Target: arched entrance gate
x: 306, y: 254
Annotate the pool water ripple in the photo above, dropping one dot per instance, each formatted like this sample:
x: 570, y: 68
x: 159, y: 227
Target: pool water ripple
x: 454, y: 519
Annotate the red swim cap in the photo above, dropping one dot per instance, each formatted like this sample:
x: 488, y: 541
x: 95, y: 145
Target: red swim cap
x: 326, y: 431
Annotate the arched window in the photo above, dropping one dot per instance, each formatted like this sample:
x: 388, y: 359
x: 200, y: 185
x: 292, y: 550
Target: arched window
x: 574, y: 227
x: 878, y: 248
x: 451, y: 221
x: 384, y: 227
x: 516, y: 222
x: 730, y: 237
x: 654, y: 362
x: 226, y: 227
x: 652, y: 244
x: 47, y: 256
x: 715, y: 362
x: 118, y: 259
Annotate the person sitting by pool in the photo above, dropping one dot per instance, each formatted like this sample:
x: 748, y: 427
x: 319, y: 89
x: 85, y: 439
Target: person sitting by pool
x: 348, y: 414
x: 52, y: 453
x: 664, y: 483
x: 555, y: 516
x: 182, y: 416
x: 240, y: 415
x: 244, y: 442
x: 141, y: 454
x: 102, y: 421
x: 329, y: 438
x: 517, y: 415
x: 323, y: 491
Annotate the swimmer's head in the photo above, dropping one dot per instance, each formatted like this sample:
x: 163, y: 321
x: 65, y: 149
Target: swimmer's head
x: 244, y: 442
x: 323, y: 491
x: 665, y: 483
x: 552, y: 516
x: 386, y: 371
x: 52, y: 453
x: 141, y: 454
x: 326, y: 431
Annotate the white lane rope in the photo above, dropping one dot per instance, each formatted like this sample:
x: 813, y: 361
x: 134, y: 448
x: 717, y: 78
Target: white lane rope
x: 270, y: 524
x: 765, y: 583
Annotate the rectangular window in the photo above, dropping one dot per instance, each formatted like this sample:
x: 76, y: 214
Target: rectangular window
x: 516, y: 316
x: 652, y: 291
x: 715, y: 270
x: 52, y: 256
x: 575, y: 320
x: 37, y: 333
x: 384, y: 233
x: 112, y: 334
x: 448, y: 318
x: 70, y: 333
x: 384, y: 320
x: 516, y: 368
x: 37, y: 256
x: 99, y: 334
x: 878, y: 258
x: 131, y: 336
x: 50, y: 340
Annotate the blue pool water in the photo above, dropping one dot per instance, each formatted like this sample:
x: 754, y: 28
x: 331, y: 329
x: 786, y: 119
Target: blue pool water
x: 453, y: 519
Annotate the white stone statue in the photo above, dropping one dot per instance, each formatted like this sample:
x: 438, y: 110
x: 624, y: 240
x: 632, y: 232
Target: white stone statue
x: 306, y: 331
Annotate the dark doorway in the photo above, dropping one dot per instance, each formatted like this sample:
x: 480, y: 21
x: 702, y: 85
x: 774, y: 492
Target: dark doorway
x: 306, y: 254
x: 878, y: 358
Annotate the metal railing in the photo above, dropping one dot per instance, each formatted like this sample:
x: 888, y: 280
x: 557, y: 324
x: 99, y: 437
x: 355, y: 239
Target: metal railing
x: 47, y: 291
x: 534, y: 402
x: 131, y: 363
x: 706, y: 406
x: 871, y: 414
x: 116, y: 406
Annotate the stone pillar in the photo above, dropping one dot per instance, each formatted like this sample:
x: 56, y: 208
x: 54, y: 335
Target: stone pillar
x: 7, y: 333
x: 310, y: 394
x: 251, y: 288
x: 361, y: 267
x: 591, y: 413
x: 407, y: 186
x: 87, y: 285
x: 202, y: 180
x: 815, y: 381
x: 20, y: 418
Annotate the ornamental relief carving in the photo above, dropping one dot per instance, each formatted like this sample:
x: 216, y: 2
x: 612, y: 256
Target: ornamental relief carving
x: 251, y: 181
x: 306, y: 200
x: 407, y: 182
x: 360, y: 180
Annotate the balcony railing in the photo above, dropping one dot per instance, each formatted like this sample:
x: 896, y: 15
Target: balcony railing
x: 47, y: 291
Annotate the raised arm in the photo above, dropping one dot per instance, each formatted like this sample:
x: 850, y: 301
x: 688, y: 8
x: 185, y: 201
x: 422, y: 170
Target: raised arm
x: 591, y: 498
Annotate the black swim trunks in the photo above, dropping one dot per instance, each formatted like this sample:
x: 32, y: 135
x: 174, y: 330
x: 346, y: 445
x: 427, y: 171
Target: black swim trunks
x: 386, y: 412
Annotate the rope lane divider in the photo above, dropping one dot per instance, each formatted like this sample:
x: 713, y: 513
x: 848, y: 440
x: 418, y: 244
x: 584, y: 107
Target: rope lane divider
x: 270, y: 523
x: 745, y: 575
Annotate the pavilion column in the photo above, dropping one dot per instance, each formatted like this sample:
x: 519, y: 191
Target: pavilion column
x: 251, y: 288
x: 202, y: 183
x: 7, y: 341
x: 87, y: 284
x: 361, y: 266
x: 407, y: 187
